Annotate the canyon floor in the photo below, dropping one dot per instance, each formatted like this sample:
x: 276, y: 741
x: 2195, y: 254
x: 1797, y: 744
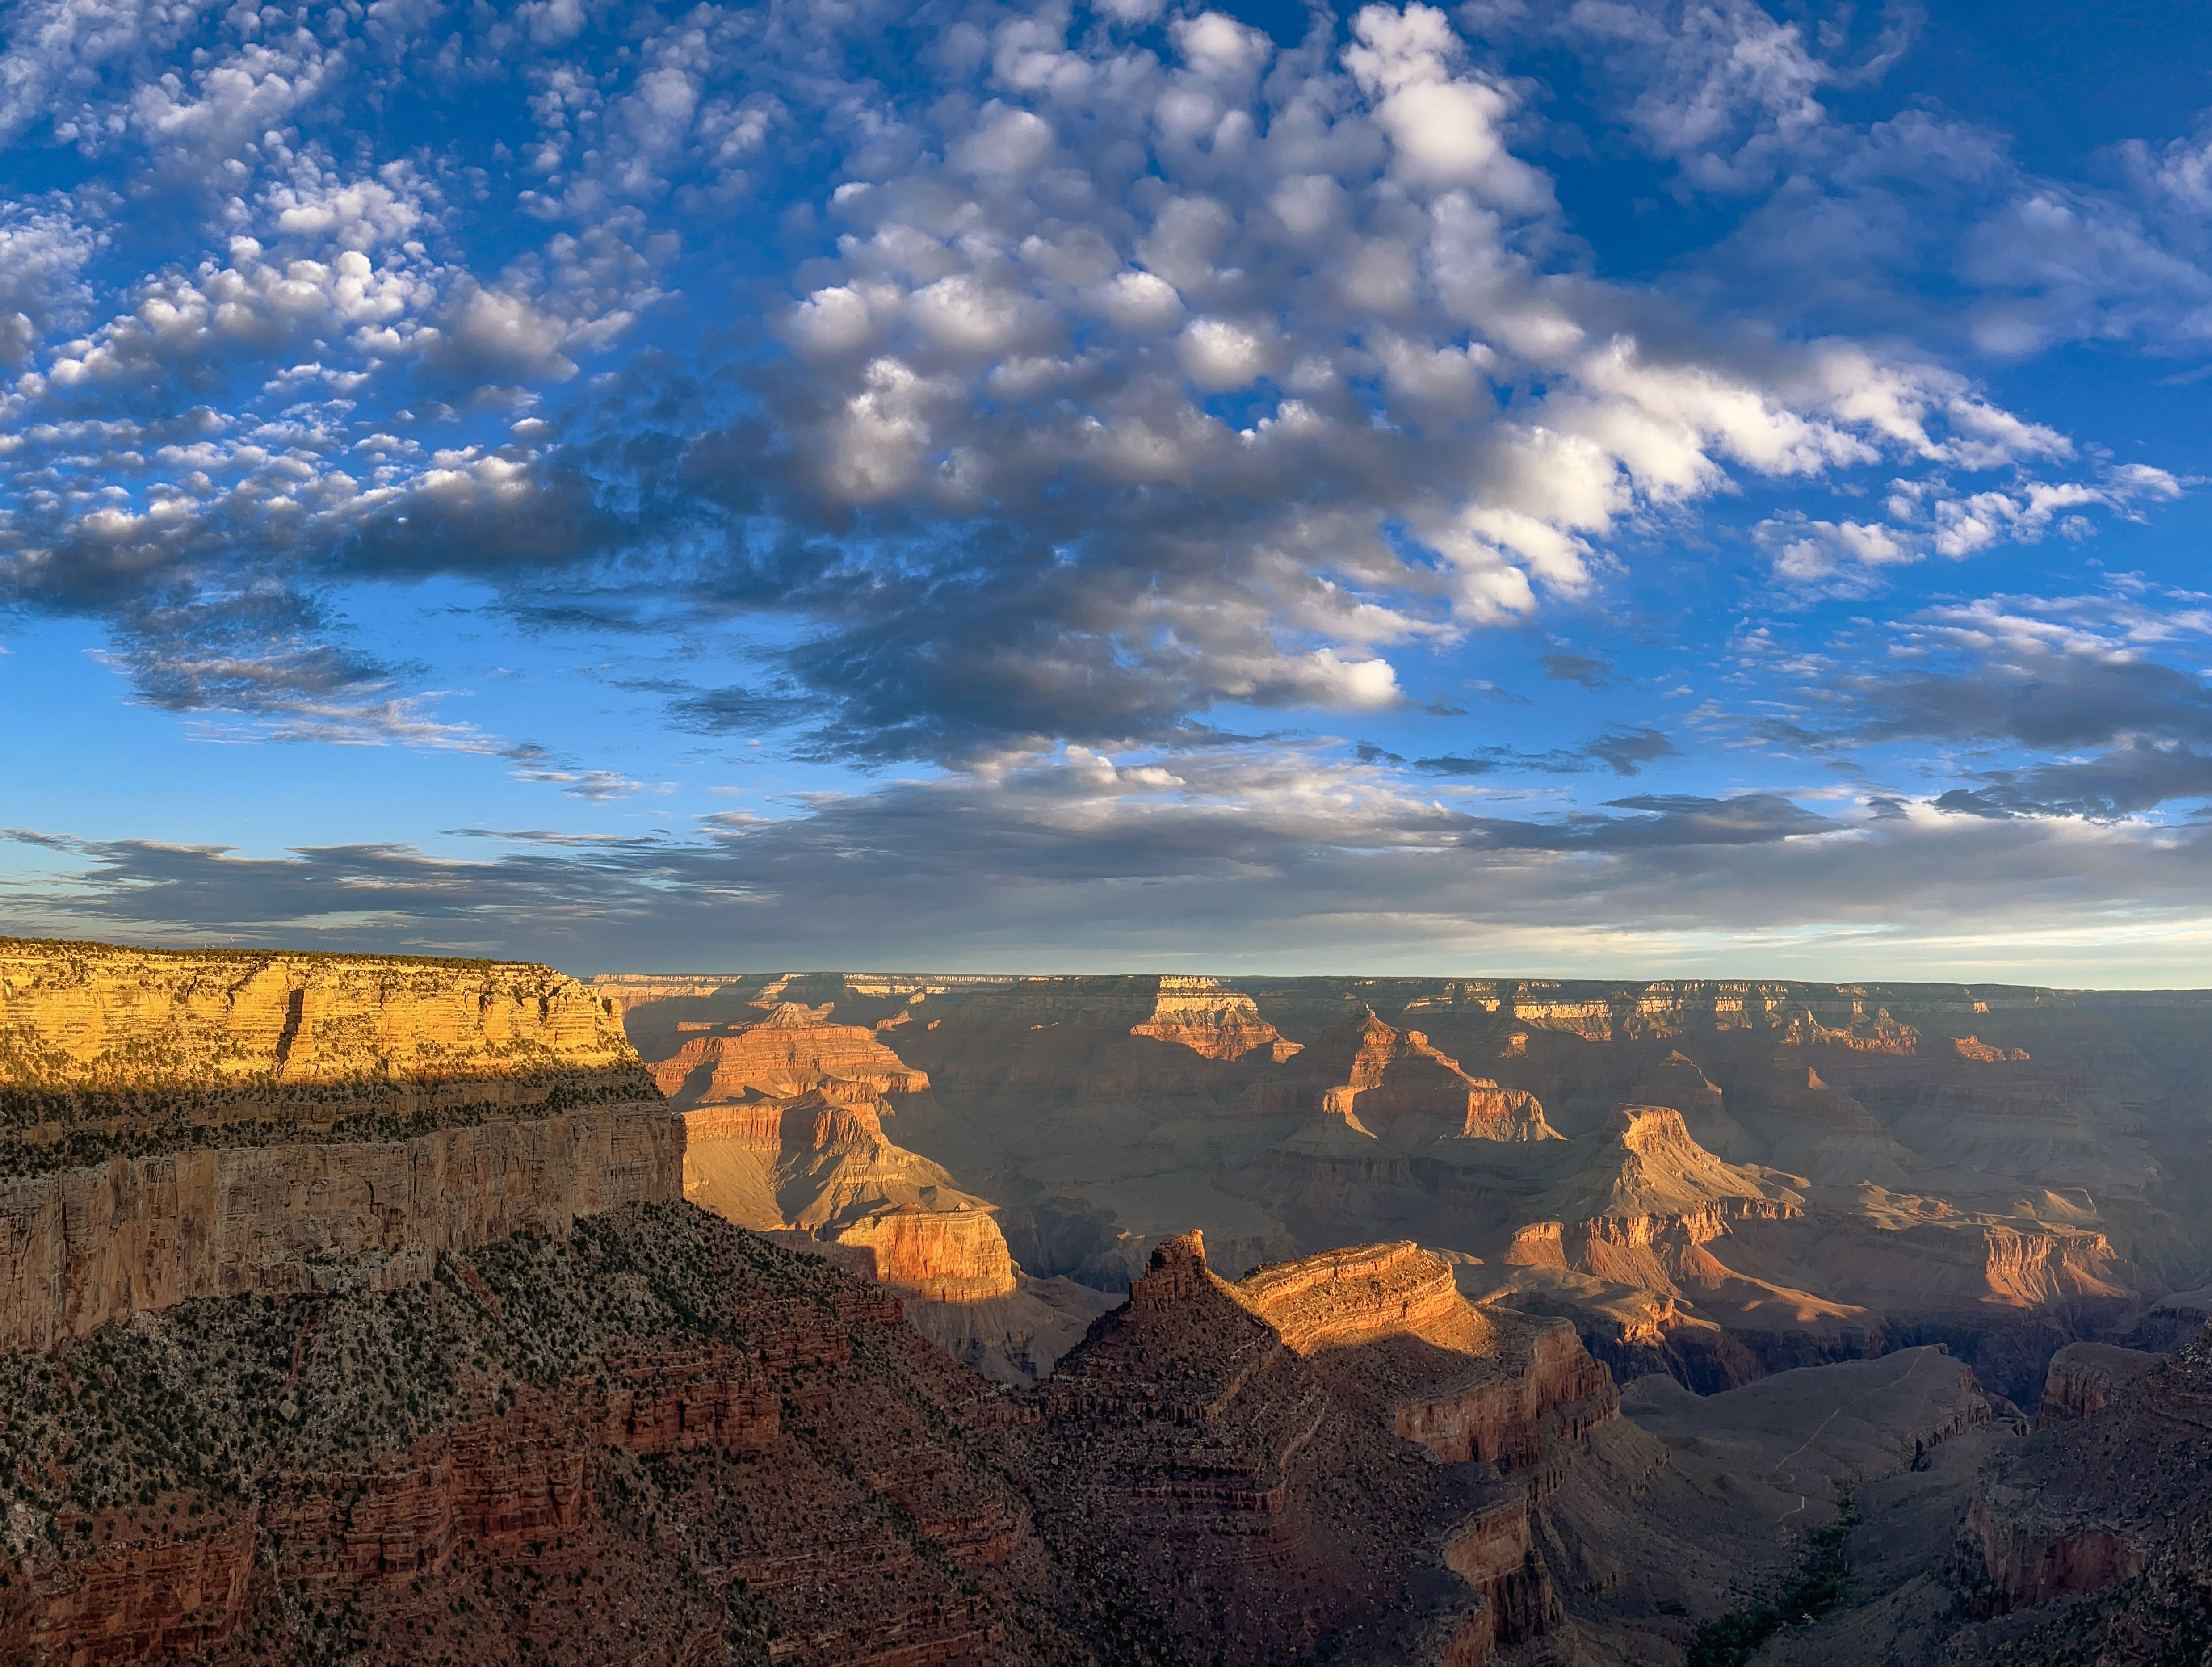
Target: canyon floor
x: 380, y: 1310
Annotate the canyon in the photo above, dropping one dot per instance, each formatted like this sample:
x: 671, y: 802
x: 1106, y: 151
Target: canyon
x: 377, y: 1309
x: 1716, y: 1180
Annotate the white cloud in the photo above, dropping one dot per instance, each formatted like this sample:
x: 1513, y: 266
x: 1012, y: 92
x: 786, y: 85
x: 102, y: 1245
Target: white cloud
x: 1219, y: 356
x: 1142, y: 303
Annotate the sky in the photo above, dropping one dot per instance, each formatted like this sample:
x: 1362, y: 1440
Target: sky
x: 1605, y: 489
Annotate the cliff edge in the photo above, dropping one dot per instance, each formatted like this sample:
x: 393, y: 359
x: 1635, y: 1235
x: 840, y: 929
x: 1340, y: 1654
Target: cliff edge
x: 203, y: 1123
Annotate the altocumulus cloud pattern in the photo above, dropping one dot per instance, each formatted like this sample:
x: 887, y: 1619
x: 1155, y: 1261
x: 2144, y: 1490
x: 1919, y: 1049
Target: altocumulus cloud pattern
x: 1077, y: 484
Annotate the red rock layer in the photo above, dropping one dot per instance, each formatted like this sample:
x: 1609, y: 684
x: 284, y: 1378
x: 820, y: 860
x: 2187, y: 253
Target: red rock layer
x: 821, y: 1492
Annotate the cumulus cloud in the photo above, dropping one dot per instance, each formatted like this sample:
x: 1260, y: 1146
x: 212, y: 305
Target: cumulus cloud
x: 1203, y: 362
x: 1007, y: 383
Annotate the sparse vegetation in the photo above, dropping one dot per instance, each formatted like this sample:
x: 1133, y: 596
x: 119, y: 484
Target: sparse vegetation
x: 1813, y: 1592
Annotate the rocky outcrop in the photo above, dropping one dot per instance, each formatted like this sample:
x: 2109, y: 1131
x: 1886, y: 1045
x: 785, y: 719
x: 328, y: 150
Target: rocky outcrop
x: 1391, y: 1083
x: 956, y: 1256
x: 785, y: 1118
x: 2087, y: 1378
x: 1973, y: 1165
x: 84, y: 1248
x: 1494, y: 1552
x: 1538, y: 1386
x: 1245, y: 1455
x: 794, y: 1052
x: 461, y: 1473
x: 1342, y: 1298
x: 1211, y: 1021
x: 2086, y: 1501
x: 2013, y: 1561
x: 2051, y: 1266
x: 95, y: 1033
x: 187, y: 1124
x: 1646, y: 1165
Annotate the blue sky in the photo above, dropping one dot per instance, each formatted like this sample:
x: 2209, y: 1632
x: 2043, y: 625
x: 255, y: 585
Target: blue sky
x: 1595, y: 488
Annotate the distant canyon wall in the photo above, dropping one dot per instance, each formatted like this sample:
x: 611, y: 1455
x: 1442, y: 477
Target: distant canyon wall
x: 1711, y: 1177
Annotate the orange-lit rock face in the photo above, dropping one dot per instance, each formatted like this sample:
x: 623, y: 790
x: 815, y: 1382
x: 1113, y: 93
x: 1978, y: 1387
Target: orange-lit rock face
x: 785, y: 1131
x: 1257, y: 1432
x: 1212, y: 1022
x: 794, y: 1052
x: 185, y: 1124
x: 1345, y: 1297
x: 91, y: 1017
x: 2030, y: 1269
x: 940, y: 1255
x: 1948, y: 1175
x: 786, y: 1134
x: 1880, y: 1035
x: 1646, y: 1168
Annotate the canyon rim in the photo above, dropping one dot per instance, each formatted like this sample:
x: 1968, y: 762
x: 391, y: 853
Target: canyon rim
x: 378, y: 1309
x: 1120, y: 833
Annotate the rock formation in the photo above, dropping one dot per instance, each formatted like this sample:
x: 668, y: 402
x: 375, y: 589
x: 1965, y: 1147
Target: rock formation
x: 793, y: 1051
x: 2088, y: 1499
x: 661, y: 1440
x: 92, y: 1033
x: 1378, y: 1080
x: 2087, y: 1378
x: 1998, y: 1168
x: 1212, y: 1022
x: 82, y: 1248
x: 1263, y: 1489
x: 1341, y: 1299
x: 359, y: 1318
x: 182, y: 1124
x: 784, y: 1115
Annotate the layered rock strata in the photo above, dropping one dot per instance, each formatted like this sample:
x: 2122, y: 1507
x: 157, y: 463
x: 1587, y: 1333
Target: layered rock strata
x: 186, y: 1124
x: 83, y: 1248
x: 659, y: 1440
x: 784, y: 1116
x: 794, y: 1052
x: 1211, y: 1021
x: 1271, y: 1485
x: 2003, y: 1170
x: 1376, y: 1080
x: 103, y: 1046
x: 2087, y: 1378
x: 2086, y: 1501
x: 1345, y: 1297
